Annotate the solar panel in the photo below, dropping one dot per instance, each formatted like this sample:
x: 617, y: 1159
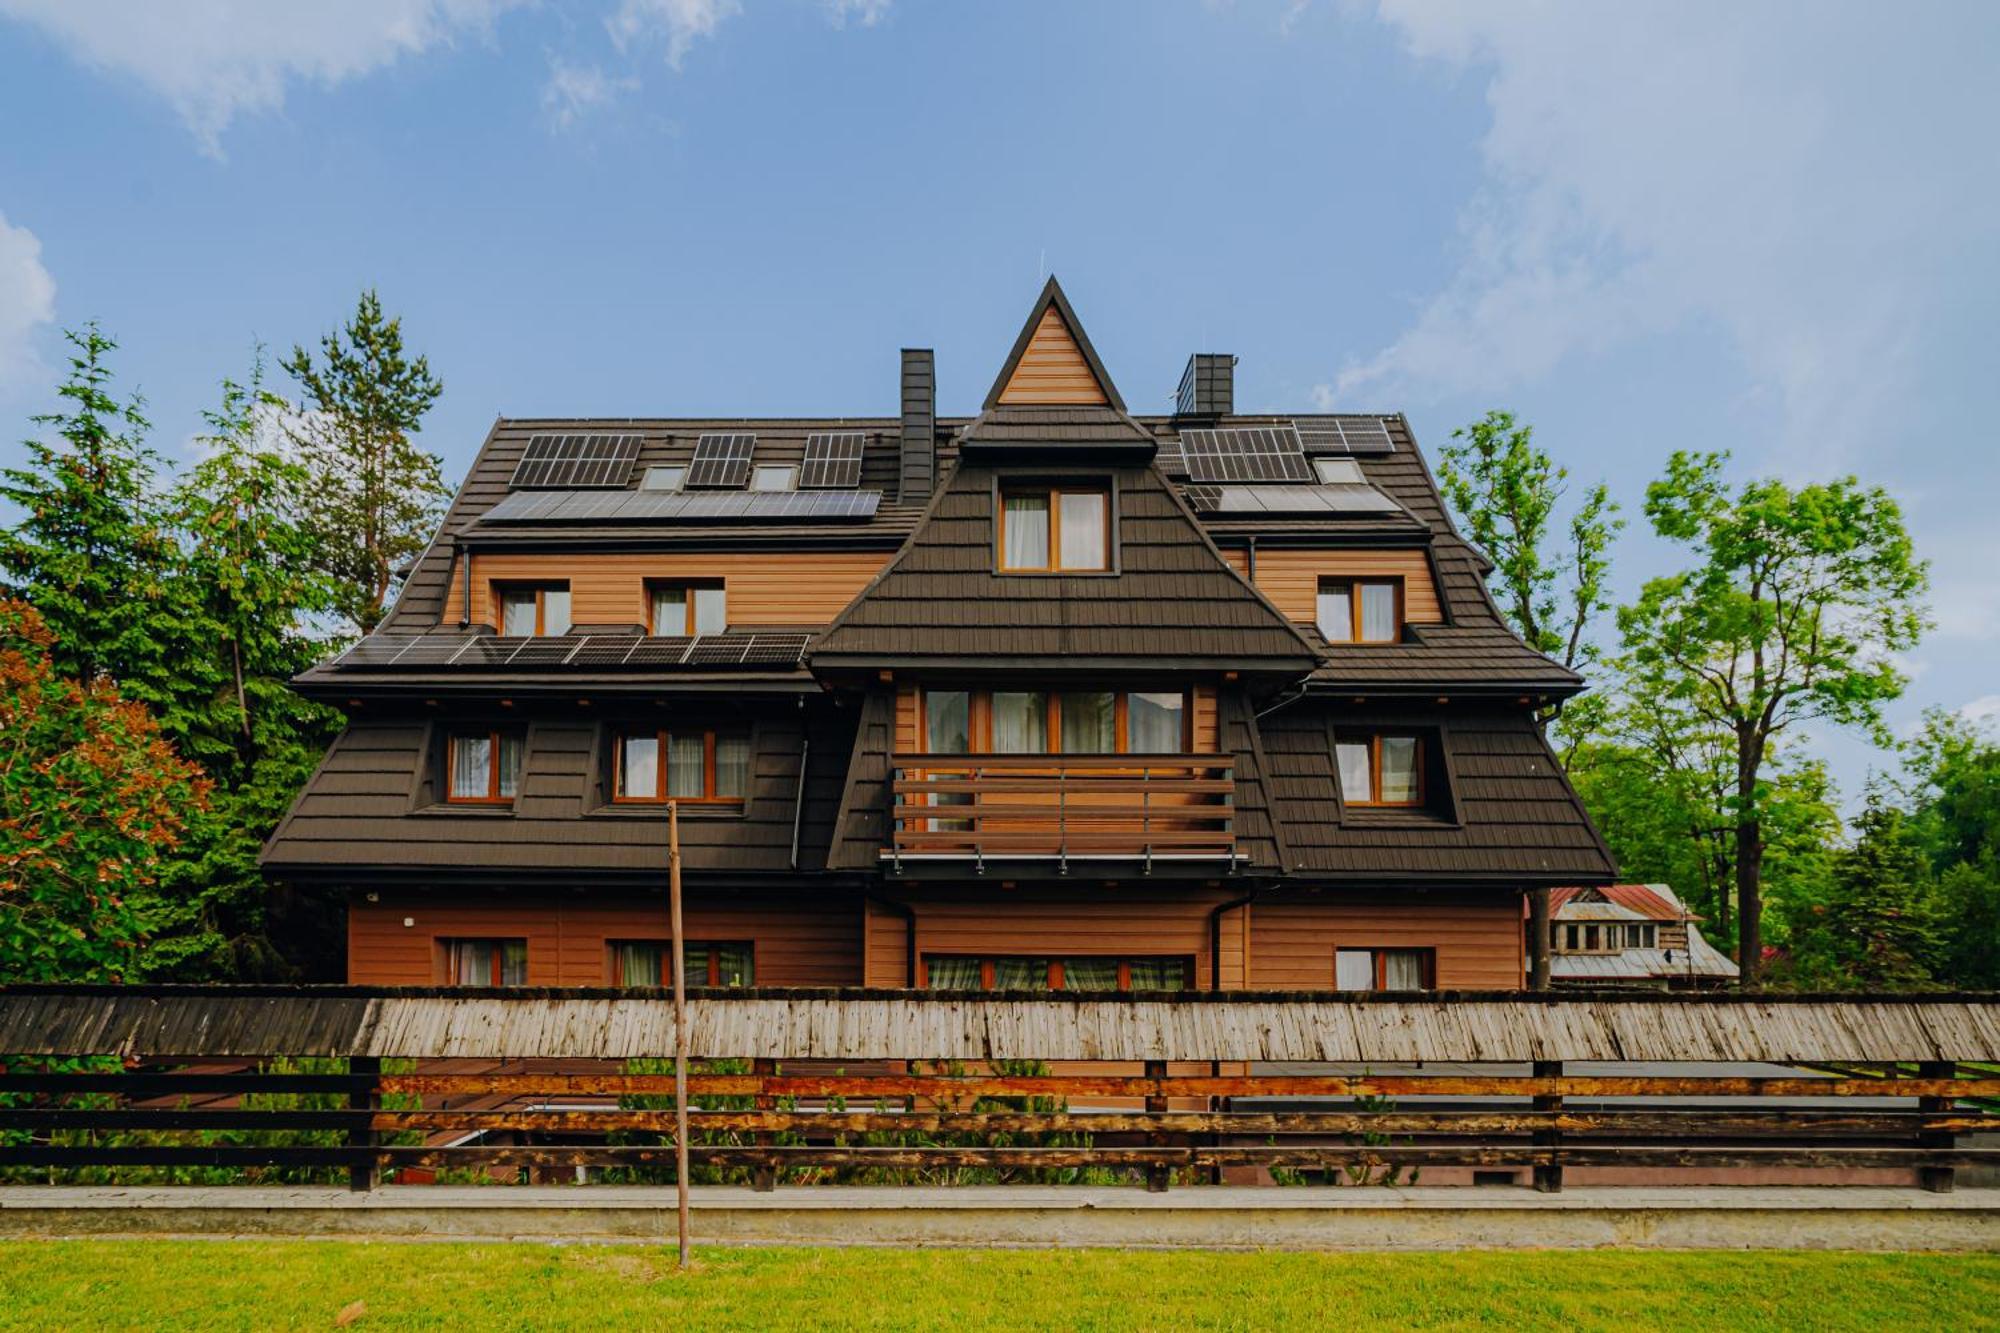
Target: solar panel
x: 1245, y: 453
x: 376, y: 650
x: 685, y: 507
x: 660, y: 650
x: 1302, y: 500
x: 603, y: 650
x: 775, y: 649
x: 553, y: 651
x: 581, y: 652
x: 833, y: 461
x: 721, y: 461
x: 433, y: 650
x: 719, y: 650
x: 568, y: 462
x: 1347, y: 435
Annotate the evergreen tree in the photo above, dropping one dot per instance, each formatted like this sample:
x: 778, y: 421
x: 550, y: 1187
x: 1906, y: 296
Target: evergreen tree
x: 376, y: 495
x: 1880, y: 924
x: 90, y: 550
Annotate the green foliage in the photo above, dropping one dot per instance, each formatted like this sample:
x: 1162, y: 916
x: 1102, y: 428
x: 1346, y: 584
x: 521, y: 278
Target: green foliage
x: 1953, y: 791
x: 94, y: 803
x: 91, y: 550
x: 1879, y: 923
x: 376, y: 496
x: 1552, y: 577
x: 1793, y: 610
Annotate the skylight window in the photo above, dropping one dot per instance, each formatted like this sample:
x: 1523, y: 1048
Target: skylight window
x: 664, y: 479
x: 774, y: 477
x: 1339, y: 472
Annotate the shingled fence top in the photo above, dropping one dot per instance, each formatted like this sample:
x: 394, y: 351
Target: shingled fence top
x: 854, y: 1024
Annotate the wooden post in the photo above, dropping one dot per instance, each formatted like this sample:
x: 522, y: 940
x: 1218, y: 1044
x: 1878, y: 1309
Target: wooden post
x: 764, y: 1179
x: 1936, y: 1179
x: 363, y: 1176
x: 1548, y: 1176
x: 1158, y: 1174
x: 1538, y: 939
x: 680, y: 1027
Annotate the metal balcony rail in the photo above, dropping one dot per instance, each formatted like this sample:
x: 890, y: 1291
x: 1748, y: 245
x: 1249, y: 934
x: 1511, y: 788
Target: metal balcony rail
x: 1062, y: 807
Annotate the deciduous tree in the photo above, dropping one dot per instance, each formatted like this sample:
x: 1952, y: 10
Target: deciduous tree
x: 1792, y: 612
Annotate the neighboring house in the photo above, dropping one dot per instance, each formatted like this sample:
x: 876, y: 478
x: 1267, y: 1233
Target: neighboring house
x: 1052, y: 696
x: 1631, y: 935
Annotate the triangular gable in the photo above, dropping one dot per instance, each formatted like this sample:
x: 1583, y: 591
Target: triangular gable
x: 1052, y: 363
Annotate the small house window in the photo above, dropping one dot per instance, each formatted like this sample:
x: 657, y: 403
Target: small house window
x: 1381, y: 770
x: 664, y: 478
x: 1360, y: 610
x: 708, y: 963
x: 1055, y: 722
x: 655, y: 766
x: 774, y: 477
x: 689, y: 608
x: 1055, y: 530
x: 1338, y: 472
x: 484, y: 767
x: 527, y: 610
x: 1384, y: 969
x: 1087, y: 973
x: 486, y: 962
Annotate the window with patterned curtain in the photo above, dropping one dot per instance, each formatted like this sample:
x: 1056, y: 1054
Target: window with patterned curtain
x: 953, y: 973
x: 1090, y: 974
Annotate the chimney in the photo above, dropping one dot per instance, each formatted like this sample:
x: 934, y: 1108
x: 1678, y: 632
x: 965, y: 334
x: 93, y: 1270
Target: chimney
x: 919, y: 425
x: 1208, y: 386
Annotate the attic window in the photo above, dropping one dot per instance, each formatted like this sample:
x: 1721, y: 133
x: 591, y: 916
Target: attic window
x: 1055, y: 530
x: 774, y: 477
x: 1339, y: 472
x: 664, y: 479
x: 529, y: 609
x: 1381, y: 769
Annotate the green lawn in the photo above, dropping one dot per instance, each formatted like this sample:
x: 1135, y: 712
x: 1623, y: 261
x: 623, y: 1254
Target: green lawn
x: 306, y: 1284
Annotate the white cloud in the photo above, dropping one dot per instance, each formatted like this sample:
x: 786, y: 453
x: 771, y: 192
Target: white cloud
x: 1983, y: 711
x: 572, y: 91
x: 27, y: 304
x: 218, y: 59
x: 677, y: 22
x: 1809, y: 179
x: 866, y: 13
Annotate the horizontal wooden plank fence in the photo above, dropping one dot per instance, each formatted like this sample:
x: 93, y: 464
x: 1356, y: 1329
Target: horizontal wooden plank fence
x: 837, y: 1085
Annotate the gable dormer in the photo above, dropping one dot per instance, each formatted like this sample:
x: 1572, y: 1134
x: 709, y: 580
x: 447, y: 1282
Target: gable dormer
x: 1052, y: 363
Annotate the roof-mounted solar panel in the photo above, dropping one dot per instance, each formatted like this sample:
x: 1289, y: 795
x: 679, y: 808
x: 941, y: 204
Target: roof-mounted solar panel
x: 1245, y: 454
x: 721, y: 462
x: 1347, y: 435
x: 832, y: 462
x: 710, y: 506
x: 576, y: 462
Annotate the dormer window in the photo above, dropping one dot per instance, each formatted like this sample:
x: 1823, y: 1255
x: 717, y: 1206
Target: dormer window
x: 689, y: 608
x: 1053, y: 530
x: 483, y: 768
x: 1381, y: 769
x: 1360, y: 610
x: 528, y: 609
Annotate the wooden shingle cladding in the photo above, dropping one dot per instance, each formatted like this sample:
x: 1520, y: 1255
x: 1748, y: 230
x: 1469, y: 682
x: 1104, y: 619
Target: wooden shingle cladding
x: 1169, y: 600
x: 375, y: 807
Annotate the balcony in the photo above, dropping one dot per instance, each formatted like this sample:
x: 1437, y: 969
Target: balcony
x: 1107, y: 807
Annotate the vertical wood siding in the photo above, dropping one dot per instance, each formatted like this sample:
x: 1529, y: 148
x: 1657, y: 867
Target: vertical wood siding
x: 610, y: 589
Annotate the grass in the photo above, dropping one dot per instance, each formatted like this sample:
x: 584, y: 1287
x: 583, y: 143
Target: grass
x: 307, y: 1284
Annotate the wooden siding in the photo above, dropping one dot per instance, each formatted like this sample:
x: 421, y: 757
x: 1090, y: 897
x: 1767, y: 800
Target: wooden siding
x: 1478, y: 941
x: 796, y: 941
x: 1053, y: 369
x: 610, y: 589
x: 1290, y: 578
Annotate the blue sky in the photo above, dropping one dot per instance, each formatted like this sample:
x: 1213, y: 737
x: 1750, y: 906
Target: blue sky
x: 1764, y: 228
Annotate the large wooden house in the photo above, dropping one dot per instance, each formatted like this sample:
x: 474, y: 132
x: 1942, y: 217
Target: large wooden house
x: 1054, y: 696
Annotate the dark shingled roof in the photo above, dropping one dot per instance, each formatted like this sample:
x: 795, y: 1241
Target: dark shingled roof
x: 1174, y: 602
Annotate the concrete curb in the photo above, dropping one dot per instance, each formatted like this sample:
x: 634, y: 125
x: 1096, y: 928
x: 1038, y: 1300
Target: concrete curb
x: 1418, y: 1218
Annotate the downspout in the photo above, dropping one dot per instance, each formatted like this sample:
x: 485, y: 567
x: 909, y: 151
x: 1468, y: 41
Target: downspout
x: 1251, y: 562
x: 1215, y: 936
x: 465, y: 600
x: 909, y: 915
x: 799, y: 797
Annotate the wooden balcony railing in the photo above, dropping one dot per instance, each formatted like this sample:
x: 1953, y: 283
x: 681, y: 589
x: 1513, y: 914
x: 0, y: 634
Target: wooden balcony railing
x: 1063, y: 807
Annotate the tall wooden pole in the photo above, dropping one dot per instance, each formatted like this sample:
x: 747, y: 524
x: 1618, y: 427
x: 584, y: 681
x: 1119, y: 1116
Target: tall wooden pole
x: 1538, y: 939
x: 680, y: 1026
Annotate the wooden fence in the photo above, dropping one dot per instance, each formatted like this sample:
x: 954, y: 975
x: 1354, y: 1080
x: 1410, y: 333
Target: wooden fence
x: 538, y: 1109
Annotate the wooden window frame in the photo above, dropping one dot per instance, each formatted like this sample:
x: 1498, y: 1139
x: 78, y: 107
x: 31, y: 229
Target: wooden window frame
x: 989, y: 967
x: 665, y: 946
x: 1374, y: 741
x: 1354, y: 583
x: 492, y: 797
x: 688, y: 587
x: 1053, y: 494
x: 449, y: 944
x: 540, y: 588
x: 665, y: 737
x: 1379, y: 957
x: 979, y: 719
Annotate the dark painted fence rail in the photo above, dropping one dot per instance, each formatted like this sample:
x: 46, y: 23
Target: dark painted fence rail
x: 775, y: 1105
